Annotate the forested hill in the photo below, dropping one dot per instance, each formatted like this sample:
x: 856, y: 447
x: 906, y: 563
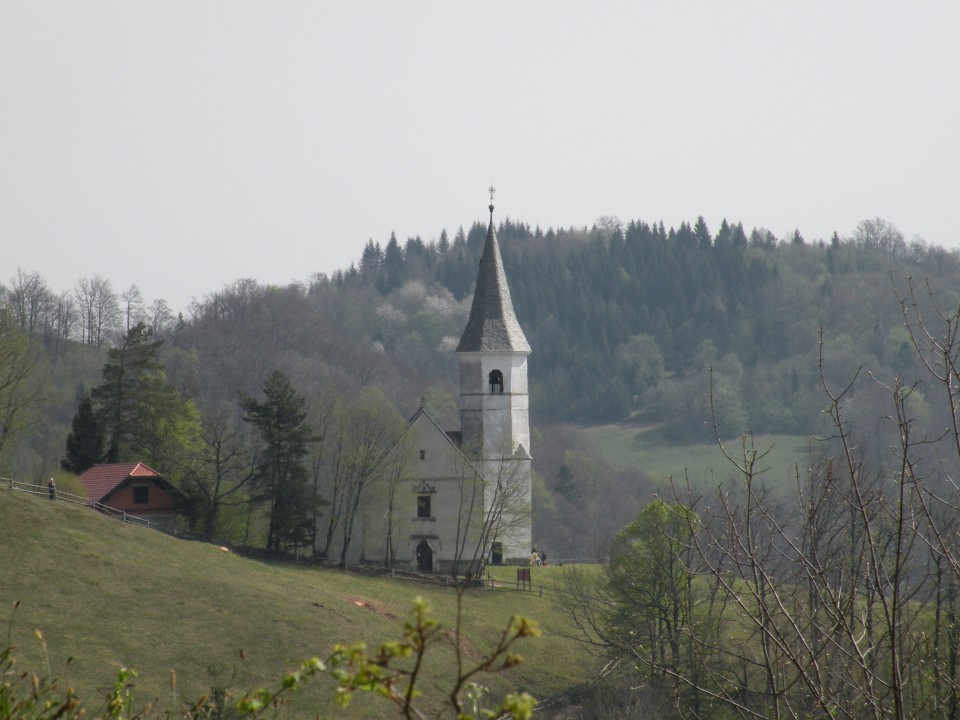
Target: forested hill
x: 627, y: 318
x: 623, y: 320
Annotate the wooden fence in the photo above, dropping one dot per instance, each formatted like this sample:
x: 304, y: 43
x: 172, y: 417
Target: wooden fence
x: 41, y: 490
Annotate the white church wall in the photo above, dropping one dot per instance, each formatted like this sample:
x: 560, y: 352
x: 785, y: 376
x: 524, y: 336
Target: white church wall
x: 508, y: 491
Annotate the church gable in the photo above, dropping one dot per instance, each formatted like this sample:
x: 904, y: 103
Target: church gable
x: 439, y: 502
x: 435, y: 455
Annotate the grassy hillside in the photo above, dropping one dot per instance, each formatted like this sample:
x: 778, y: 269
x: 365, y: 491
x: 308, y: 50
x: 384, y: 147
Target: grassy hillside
x: 110, y: 595
x: 625, y: 445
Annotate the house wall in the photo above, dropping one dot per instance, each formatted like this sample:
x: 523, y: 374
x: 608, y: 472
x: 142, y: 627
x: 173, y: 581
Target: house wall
x: 160, y: 500
x: 161, y: 508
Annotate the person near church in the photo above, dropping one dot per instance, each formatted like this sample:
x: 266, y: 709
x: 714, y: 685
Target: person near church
x: 52, y: 489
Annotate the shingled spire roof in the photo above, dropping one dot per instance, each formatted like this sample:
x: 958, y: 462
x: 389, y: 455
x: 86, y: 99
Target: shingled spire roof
x: 492, y: 326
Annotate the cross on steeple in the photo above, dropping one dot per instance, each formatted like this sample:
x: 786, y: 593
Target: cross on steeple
x: 491, y: 190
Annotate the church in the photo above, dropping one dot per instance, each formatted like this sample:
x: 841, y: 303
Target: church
x: 465, y: 500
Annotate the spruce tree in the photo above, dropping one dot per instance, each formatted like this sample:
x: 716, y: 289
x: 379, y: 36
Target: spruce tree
x: 85, y: 441
x: 392, y: 276
x: 135, y: 404
x: 280, y: 478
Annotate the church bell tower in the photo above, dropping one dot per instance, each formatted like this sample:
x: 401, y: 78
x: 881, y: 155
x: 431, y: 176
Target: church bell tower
x: 494, y: 400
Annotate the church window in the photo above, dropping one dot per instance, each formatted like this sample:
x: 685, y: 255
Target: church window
x: 423, y: 454
x: 496, y: 381
x: 423, y: 507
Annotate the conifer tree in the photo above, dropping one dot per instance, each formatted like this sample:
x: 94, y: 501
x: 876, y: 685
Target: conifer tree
x: 370, y: 262
x: 702, y: 234
x: 133, y: 394
x: 392, y: 276
x: 85, y: 441
x: 280, y: 478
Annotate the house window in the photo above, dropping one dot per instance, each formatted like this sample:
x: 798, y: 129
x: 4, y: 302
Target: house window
x: 423, y: 507
x: 423, y: 454
x: 496, y: 381
x: 141, y: 494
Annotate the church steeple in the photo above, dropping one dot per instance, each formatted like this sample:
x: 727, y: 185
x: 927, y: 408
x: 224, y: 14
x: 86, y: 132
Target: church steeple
x: 492, y: 326
x: 493, y: 364
x: 495, y: 403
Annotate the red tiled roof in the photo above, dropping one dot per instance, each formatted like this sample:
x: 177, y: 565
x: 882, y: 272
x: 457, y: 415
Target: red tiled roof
x: 101, y: 480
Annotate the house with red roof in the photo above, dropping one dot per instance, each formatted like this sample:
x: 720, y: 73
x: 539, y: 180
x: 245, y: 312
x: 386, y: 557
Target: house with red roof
x: 133, y: 488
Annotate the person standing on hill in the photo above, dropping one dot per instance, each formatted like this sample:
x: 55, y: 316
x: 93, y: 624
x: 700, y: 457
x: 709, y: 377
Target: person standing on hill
x: 52, y: 489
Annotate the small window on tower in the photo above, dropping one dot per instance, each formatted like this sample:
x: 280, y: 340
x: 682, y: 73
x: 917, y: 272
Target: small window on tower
x: 423, y: 454
x: 496, y: 381
x: 423, y: 507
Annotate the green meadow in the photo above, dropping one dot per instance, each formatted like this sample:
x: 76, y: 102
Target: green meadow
x: 626, y: 445
x: 103, y: 595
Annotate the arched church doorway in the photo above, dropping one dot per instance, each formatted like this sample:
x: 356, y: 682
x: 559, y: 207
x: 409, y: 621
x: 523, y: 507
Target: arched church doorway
x: 496, y: 554
x: 424, y: 557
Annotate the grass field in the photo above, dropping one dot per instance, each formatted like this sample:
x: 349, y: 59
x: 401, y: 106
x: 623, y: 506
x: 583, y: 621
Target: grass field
x: 625, y: 445
x: 546, y: 579
x: 109, y: 595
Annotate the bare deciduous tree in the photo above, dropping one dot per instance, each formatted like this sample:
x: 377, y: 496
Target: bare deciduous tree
x: 160, y: 318
x: 364, y: 433
x: 98, y: 309
x: 21, y: 390
x: 493, y: 504
x: 132, y: 310
x: 223, y: 469
x: 838, y: 603
x: 29, y: 297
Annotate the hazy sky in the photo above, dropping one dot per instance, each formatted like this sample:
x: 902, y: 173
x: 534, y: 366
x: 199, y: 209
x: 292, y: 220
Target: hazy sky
x: 183, y: 145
